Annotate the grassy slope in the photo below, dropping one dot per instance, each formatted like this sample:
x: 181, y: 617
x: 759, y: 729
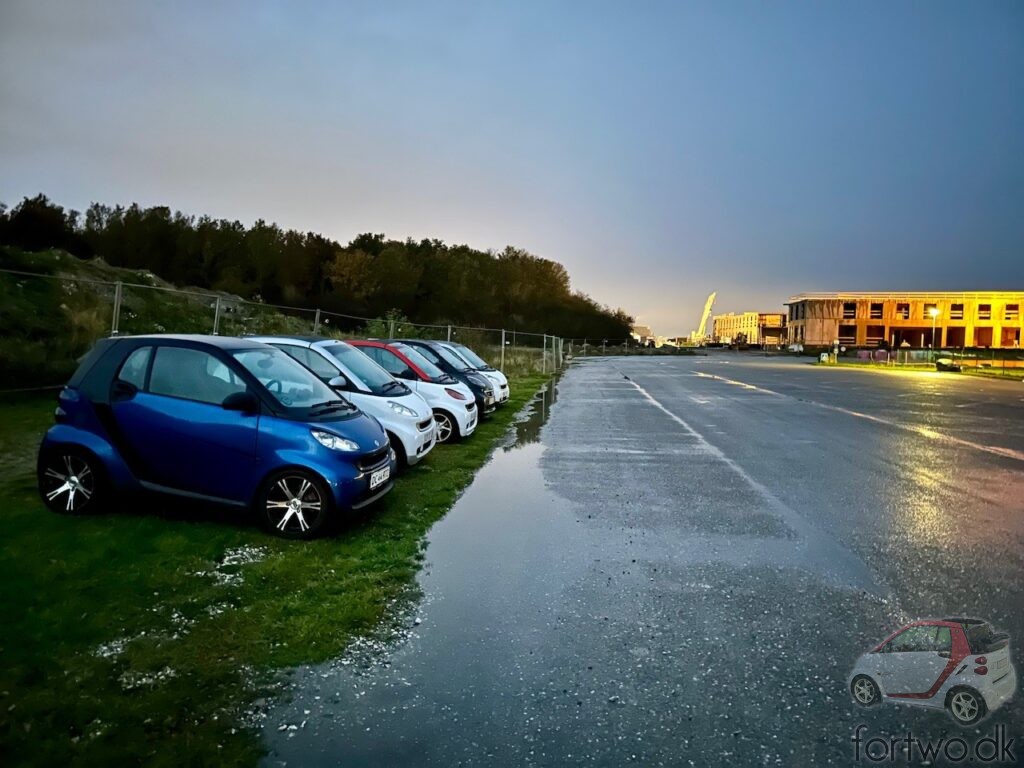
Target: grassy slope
x: 69, y: 585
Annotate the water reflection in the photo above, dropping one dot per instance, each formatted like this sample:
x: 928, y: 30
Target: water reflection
x: 536, y: 412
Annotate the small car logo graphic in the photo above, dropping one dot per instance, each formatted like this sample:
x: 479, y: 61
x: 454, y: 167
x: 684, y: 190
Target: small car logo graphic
x: 960, y: 665
x: 376, y: 444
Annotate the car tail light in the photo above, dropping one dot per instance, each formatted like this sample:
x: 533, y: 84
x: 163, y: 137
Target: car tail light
x: 981, y: 660
x: 455, y: 393
x: 981, y: 670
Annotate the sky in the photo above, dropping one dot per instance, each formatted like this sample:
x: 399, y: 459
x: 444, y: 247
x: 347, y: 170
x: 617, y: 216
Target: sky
x: 660, y: 151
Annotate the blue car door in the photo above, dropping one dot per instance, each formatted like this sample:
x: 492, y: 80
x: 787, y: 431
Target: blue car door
x: 173, y: 429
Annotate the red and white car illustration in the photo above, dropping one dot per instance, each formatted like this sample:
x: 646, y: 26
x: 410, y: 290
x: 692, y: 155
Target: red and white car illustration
x: 960, y: 665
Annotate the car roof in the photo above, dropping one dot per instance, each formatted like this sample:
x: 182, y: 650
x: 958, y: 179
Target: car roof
x: 308, y: 340
x: 222, y: 342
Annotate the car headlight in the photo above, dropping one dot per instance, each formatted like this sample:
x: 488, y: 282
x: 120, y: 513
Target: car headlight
x: 333, y: 441
x: 399, y: 408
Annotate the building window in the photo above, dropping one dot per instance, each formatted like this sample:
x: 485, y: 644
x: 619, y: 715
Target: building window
x: 928, y: 309
x: 849, y: 309
x: 956, y: 311
x: 984, y: 311
x: 876, y: 311
x: 1012, y: 311
x: 903, y: 311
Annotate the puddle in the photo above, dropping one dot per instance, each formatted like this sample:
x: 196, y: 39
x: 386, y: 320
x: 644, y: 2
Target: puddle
x: 535, y: 415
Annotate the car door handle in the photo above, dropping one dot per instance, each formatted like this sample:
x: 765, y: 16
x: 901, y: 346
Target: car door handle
x: 943, y: 654
x: 123, y: 390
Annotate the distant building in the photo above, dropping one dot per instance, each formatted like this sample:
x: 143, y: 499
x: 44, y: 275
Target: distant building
x: 754, y: 327
x: 981, y: 319
x: 642, y: 333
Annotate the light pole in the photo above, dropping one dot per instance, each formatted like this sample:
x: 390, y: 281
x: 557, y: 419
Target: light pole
x: 934, y: 312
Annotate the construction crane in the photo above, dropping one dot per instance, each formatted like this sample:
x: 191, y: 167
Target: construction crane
x: 698, y: 336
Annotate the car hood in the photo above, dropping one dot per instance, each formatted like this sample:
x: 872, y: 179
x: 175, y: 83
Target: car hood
x: 417, y: 403
x: 362, y: 429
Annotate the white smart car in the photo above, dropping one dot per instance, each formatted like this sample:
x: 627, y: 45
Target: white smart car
x: 501, y: 390
x: 960, y: 665
x: 453, y: 402
x: 406, y: 417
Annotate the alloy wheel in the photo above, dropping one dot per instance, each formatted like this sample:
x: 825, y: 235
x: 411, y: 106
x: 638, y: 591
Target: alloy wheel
x: 864, y: 691
x: 964, y: 706
x: 68, y: 482
x: 294, y: 505
x: 444, y: 427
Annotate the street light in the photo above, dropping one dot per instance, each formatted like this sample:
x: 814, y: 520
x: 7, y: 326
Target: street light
x: 934, y: 312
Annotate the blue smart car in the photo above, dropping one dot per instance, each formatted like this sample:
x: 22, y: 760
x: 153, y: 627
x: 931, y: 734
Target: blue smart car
x: 220, y: 419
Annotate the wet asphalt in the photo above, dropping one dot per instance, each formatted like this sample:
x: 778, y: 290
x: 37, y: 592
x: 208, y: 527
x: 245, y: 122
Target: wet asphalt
x: 681, y: 566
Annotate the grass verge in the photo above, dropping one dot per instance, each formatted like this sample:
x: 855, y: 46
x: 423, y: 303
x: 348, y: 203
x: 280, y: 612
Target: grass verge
x: 146, y: 635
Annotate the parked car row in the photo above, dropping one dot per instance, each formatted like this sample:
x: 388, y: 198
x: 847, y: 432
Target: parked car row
x: 297, y: 428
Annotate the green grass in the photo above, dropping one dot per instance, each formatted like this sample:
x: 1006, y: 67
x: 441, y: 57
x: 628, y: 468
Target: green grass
x: 72, y: 584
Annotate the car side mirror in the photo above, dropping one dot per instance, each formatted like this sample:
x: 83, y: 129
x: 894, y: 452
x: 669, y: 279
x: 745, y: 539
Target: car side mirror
x: 338, y: 382
x: 244, y: 402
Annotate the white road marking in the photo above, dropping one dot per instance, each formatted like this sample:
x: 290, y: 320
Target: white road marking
x: 815, y: 549
x: 923, y: 431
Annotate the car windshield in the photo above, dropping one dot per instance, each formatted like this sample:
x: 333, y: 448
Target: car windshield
x: 472, y: 357
x: 375, y: 378
x: 452, y: 359
x: 292, y: 385
x: 414, y: 356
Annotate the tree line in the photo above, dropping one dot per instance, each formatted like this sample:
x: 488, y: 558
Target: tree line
x: 426, y: 280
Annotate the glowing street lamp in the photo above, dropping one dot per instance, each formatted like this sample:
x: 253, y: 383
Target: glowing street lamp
x: 934, y: 312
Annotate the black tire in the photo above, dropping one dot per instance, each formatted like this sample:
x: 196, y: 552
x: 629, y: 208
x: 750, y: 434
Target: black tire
x: 965, y: 705
x: 446, y: 426
x: 400, y: 457
x: 865, y: 691
x: 71, y: 480
x: 294, y: 504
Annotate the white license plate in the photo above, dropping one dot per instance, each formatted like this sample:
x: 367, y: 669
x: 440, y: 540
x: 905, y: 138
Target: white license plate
x: 380, y: 476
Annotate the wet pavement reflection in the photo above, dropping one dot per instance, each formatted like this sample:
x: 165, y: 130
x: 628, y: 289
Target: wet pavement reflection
x: 669, y: 569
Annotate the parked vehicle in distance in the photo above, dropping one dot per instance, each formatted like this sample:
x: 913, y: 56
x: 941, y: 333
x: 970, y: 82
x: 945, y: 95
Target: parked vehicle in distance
x: 453, y: 365
x: 406, y: 417
x: 213, y: 418
x: 501, y: 390
x: 452, y: 402
x: 960, y: 665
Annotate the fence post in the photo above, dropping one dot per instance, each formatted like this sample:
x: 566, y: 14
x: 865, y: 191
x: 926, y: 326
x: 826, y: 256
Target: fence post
x: 316, y: 323
x: 544, y: 356
x: 216, y: 316
x: 450, y: 338
x: 115, y: 320
x: 391, y: 328
x: 502, y: 347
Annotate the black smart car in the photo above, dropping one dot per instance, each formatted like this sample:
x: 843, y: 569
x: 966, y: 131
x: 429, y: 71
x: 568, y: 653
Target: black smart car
x: 453, y: 365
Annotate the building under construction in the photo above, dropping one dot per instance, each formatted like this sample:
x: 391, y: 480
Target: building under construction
x: 951, y: 320
x: 750, y: 328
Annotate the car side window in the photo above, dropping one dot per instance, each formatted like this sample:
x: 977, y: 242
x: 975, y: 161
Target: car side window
x: 429, y: 354
x: 321, y: 367
x: 133, y: 370
x: 912, y: 640
x: 310, y: 359
x: 943, y: 639
x: 192, y: 374
x: 393, y: 364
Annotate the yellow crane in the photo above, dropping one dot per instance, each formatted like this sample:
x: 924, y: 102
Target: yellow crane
x: 699, y: 336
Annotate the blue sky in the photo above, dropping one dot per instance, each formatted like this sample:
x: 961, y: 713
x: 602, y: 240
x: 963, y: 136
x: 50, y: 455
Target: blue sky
x: 659, y: 151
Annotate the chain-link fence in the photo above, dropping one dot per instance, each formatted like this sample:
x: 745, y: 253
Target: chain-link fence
x: 48, y: 321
